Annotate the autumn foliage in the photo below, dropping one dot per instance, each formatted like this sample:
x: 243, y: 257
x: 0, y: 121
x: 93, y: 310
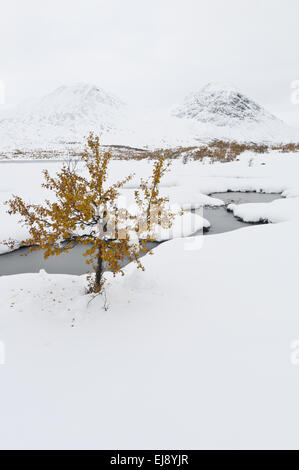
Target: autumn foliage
x: 85, y: 210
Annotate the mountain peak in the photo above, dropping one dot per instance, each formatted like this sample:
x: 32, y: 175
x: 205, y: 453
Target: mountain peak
x: 222, y: 105
x: 219, y: 87
x: 78, y: 95
x: 67, y: 113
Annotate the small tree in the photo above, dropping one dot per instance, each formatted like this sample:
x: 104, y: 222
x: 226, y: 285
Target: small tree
x: 86, y: 211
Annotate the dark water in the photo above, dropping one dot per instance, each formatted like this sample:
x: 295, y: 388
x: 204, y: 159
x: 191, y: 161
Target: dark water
x: 24, y: 261
x: 223, y: 221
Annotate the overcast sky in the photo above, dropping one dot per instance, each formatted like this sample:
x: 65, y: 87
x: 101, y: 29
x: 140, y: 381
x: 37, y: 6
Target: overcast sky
x: 152, y: 52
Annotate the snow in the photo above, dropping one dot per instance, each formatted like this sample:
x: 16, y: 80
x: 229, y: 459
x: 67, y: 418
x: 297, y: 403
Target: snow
x: 189, y: 198
x: 223, y: 105
x: 232, y: 115
x: 183, y: 225
x: 187, y: 186
x: 67, y: 114
x: 277, y: 211
x: 195, y: 352
x: 59, y: 121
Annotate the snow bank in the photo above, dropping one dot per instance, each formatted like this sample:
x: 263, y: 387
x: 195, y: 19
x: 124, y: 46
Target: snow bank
x: 183, y: 226
x: 189, y: 198
x: 279, y: 210
x: 193, y: 353
x: 10, y: 228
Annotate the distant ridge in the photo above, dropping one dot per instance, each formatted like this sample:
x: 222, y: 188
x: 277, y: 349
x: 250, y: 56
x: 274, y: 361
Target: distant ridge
x: 64, y: 117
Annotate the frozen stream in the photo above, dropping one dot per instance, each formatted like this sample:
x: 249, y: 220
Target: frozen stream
x: 223, y: 221
x: 24, y: 261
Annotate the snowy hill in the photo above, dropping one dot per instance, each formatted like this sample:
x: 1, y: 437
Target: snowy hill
x: 222, y: 105
x: 222, y: 111
x: 61, y: 120
x: 67, y: 114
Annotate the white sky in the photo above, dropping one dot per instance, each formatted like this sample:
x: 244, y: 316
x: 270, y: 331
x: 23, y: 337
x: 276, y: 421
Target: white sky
x: 152, y: 52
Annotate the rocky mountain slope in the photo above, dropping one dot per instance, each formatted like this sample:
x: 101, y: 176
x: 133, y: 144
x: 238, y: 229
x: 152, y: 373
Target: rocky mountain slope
x: 224, y: 112
x: 222, y: 105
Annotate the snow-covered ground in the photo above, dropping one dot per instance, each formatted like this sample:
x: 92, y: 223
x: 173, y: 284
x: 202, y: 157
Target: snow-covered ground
x: 196, y: 352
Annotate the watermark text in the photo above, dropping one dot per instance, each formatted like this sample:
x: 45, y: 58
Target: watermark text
x: 2, y: 353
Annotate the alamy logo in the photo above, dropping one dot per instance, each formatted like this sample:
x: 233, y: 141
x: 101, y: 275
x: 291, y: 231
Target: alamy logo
x: 295, y: 93
x: 294, y: 357
x: 2, y: 353
x: 2, y: 92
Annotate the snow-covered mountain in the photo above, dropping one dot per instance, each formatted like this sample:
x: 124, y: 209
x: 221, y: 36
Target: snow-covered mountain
x: 222, y: 105
x: 223, y: 111
x: 67, y: 114
x: 63, y: 118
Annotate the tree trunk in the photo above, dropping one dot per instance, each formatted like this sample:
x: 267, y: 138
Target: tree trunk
x: 99, y: 271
